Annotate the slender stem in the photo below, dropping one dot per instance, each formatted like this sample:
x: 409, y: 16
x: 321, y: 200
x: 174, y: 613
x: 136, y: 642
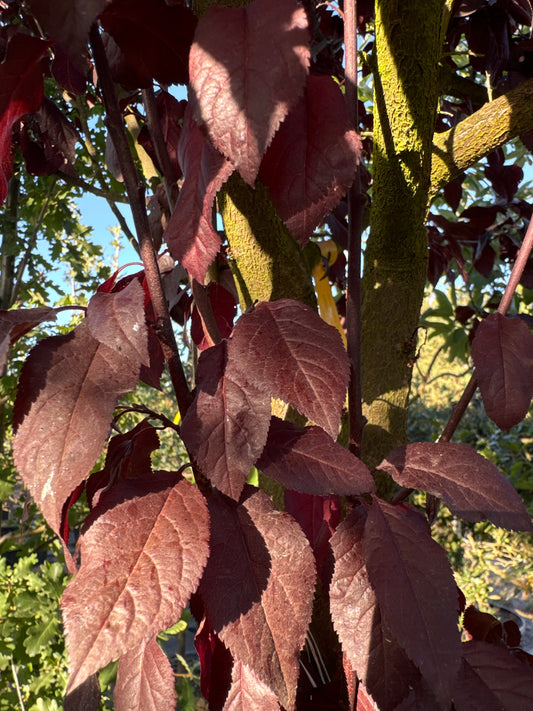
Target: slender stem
x: 103, y: 192
x: 135, y: 190
x: 17, y: 685
x: 518, y: 268
x: 31, y: 243
x: 154, y: 126
x: 356, y: 203
x: 107, y: 194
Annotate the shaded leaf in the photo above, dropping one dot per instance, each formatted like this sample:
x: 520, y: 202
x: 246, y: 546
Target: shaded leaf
x: 416, y: 591
x: 68, y: 22
x: 381, y: 664
x: 470, y: 485
x: 68, y: 389
x: 128, y: 457
x: 496, y: 677
x: 242, y: 95
x: 226, y: 427
x: 57, y: 130
x: 312, y: 159
x: 224, y: 310
x: 286, y: 350
x: 85, y: 697
x: 155, y: 43
x: 308, y: 460
x: 190, y: 235
x: 15, y: 324
x: 248, y: 692
x: 21, y: 92
x: 145, y: 680
x: 502, y: 351
x: 143, y: 551
x: 117, y: 320
x: 260, y: 574
x: 216, y: 663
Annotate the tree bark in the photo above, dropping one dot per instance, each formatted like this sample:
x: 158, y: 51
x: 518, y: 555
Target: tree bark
x: 408, y: 43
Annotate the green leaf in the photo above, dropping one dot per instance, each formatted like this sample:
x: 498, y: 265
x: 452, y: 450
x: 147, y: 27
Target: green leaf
x: 40, y: 635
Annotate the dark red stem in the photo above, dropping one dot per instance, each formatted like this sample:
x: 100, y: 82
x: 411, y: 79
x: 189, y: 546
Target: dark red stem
x: 356, y: 204
x: 136, y: 193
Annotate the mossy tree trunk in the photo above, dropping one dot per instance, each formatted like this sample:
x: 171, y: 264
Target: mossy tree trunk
x: 395, y: 266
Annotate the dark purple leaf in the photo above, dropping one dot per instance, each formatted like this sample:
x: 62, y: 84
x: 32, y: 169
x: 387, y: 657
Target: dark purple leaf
x: 502, y: 351
x: 145, y: 680
x: 66, y: 73
x: 68, y: 22
x: 190, y: 235
x: 381, y: 664
x: 15, y: 324
x: 171, y: 113
x: 85, y: 697
x: 57, y: 130
x: 216, y: 663
x: 21, y: 92
x: 286, y: 350
x: 242, y: 96
x: 414, y: 585
x: 142, y: 554
x: 318, y: 517
x: 68, y: 389
x: 453, y: 192
x: 470, y: 485
x: 260, y: 574
x: 482, y: 626
x: 155, y: 43
x: 226, y: 427
x: 224, y: 310
x: 117, y: 320
x: 312, y: 159
x: 494, y: 676
x: 128, y: 457
x: 308, y: 460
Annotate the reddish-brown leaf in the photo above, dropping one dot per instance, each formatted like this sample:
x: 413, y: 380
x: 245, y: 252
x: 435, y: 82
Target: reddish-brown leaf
x: 117, y: 320
x: 68, y: 390
x: 248, y: 66
x: 260, y: 575
x: 143, y: 551
x: 312, y: 159
x: 224, y: 310
x: 15, y: 324
x: 308, y: 460
x: 470, y: 485
x: 502, y: 351
x: 285, y: 349
x: 216, y: 663
x: 128, y: 457
x: 68, y: 22
x: 190, y: 235
x: 155, y: 43
x: 381, y: 664
x: 417, y: 594
x: 248, y: 692
x: 85, y: 697
x: 495, y: 677
x: 145, y: 680
x: 226, y: 427
x: 21, y: 92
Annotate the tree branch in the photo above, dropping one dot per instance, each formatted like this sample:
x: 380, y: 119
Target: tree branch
x: 491, y: 126
x: 135, y: 190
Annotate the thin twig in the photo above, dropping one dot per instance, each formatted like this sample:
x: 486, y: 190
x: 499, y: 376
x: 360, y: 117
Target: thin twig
x: 356, y: 204
x: 154, y: 127
x: 31, y: 243
x: 136, y: 193
x: 103, y: 192
x: 17, y: 685
x: 518, y: 268
x: 91, y: 150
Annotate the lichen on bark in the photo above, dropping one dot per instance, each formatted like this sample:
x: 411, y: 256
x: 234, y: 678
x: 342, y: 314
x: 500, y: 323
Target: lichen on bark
x: 405, y: 101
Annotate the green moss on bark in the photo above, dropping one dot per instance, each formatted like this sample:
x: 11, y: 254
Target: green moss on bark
x: 266, y: 260
x: 406, y: 81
